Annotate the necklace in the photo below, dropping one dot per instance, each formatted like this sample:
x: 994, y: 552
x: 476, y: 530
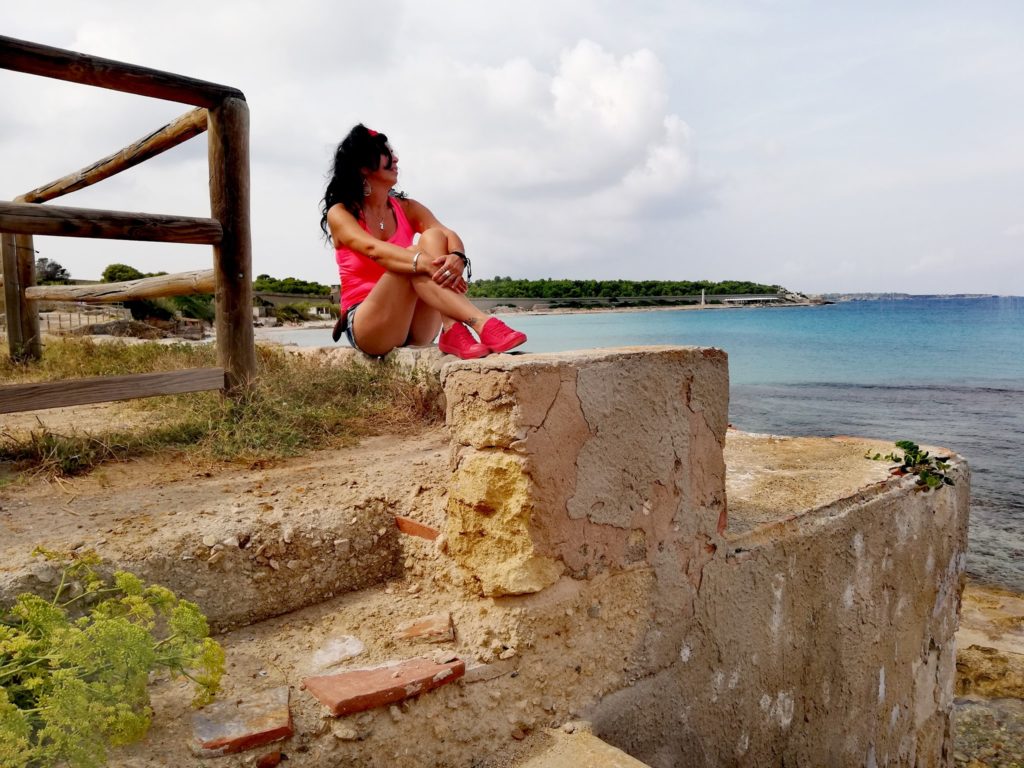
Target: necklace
x: 380, y: 217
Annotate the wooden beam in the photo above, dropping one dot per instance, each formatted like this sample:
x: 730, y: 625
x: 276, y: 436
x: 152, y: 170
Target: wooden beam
x: 19, y: 268
x: 33, y: 219
x: 171, y: 135
x: 101, y: 389
x: 228, y: 141
x: 179, y: 284
x: 61, y: 64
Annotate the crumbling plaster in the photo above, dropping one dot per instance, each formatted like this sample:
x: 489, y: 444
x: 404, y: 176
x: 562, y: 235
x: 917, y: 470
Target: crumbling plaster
x: 618, y: 458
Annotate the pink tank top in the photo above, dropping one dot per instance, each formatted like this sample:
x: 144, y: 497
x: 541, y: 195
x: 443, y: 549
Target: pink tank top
x: 357, y: 272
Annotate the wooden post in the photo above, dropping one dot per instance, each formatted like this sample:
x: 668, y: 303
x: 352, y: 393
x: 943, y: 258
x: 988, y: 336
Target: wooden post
x: 19, y: 267
x: 228, y: 134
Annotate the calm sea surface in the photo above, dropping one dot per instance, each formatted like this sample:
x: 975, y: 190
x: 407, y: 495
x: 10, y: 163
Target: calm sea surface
x: 940, y: 371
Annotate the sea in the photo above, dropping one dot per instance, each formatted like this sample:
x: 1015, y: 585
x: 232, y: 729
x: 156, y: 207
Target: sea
x: 945, y: 371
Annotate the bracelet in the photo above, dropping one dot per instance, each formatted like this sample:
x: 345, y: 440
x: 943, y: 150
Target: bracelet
x: 415, y: 262
x: 467, y: 265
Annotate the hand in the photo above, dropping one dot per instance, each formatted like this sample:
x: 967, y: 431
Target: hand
x: 448, y: 273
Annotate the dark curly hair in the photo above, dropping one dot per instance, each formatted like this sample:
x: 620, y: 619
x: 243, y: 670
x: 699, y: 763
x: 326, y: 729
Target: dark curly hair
x: 361, y: 149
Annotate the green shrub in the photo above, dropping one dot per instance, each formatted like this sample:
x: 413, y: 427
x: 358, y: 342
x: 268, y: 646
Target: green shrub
x: 199, y: 306
x: 930, y: 470
x: 268, y: 284
x: 147, y: 309
x: 292, y: 313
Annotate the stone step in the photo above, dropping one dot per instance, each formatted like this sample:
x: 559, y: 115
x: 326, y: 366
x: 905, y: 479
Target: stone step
x: 506, y: 671
x: 305, y: 530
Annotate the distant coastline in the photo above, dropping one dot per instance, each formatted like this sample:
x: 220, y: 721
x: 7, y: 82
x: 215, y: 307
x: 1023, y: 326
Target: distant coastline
x: 906, y: 296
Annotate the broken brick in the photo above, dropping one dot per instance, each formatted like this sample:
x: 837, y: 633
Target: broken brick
x: 269, y: 760
x: 224, y: 728
x: 435, y: 628
x: 362, y: 689
x: 415, y: 528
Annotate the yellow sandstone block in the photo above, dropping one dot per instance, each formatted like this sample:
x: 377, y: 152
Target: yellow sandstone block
x: 489, y: 522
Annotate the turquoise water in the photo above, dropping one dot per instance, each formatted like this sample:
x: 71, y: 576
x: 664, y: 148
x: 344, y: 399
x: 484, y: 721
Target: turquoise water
x: 941, y: 371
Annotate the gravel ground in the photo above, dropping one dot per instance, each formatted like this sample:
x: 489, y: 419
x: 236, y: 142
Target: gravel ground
x: 989, y: 733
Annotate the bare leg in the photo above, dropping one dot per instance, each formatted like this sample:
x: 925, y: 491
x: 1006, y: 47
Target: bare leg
x: 389, y: 315
x: 426, y: 322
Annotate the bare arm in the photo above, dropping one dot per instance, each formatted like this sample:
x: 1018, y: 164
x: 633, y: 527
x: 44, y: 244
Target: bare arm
x: 345, y: 230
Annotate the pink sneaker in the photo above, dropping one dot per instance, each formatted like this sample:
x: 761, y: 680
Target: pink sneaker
x: 499, y: 337
x: 458, y: 341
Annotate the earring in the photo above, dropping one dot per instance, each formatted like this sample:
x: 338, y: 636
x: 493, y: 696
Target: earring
x: 366, y: 188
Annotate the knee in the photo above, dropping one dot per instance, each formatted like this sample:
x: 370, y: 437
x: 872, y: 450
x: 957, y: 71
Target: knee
x: 434, y: 240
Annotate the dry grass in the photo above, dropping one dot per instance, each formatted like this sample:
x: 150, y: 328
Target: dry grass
x: 297, y: 404
x: 70, y: 358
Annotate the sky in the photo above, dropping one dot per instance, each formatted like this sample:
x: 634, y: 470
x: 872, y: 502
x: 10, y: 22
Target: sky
x: 826, y: 147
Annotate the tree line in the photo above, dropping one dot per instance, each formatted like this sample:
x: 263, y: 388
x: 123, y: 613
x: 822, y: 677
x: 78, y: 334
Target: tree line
x: 499, y: 287
x: 548, y: 288
x: 50, y: 272
x: 269, y: 284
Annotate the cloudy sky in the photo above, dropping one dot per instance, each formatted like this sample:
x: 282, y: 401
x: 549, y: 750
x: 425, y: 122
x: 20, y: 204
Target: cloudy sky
x: 845, y: 146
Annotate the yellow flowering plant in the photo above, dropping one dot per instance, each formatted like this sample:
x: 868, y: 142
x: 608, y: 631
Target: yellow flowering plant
x: 74, y: 668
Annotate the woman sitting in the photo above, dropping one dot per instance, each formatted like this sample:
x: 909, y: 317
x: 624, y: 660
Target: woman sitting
x: 394, y: 293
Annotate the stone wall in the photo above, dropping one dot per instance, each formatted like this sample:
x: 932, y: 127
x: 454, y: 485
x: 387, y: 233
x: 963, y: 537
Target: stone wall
x: 828, y: 642
x: 582, y: 462
x: 826, y: 639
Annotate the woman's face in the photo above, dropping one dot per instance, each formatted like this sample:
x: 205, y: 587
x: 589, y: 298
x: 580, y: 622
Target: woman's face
x: 387, y: 172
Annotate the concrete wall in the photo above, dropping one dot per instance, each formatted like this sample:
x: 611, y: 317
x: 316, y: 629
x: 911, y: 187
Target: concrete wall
x: 828, y: 642
x: 823, y: 640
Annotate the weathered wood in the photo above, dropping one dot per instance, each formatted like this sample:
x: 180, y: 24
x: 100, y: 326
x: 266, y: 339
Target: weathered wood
x: 99, y: 389
x: 19, y: 268
x: 33, y: 348
x: 171, y: 135
x: 179, y: 284
x: 46, y: 61
x: 34, y: 219
x: 228, y: 140
x: 12, y: 297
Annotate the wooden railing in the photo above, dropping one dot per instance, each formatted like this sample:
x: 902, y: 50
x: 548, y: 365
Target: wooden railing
x: 223, y: 114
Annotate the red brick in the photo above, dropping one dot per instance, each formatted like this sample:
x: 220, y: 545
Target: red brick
x: 435, y: 628
x: 362, y: 689
x: 415, y: 528
x: 227, y: 727
x: 269, y: 760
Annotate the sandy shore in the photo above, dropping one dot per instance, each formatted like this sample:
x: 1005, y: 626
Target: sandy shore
x: 271, y: 333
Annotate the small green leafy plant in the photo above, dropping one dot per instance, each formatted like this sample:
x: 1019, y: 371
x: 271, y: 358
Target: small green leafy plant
x: 74, y: 669
x: 930, y: 470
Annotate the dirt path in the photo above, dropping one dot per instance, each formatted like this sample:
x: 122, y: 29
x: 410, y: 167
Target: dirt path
x: 125, y: 509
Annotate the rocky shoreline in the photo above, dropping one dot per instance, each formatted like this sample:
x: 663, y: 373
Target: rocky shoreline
x: 988, y: 714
